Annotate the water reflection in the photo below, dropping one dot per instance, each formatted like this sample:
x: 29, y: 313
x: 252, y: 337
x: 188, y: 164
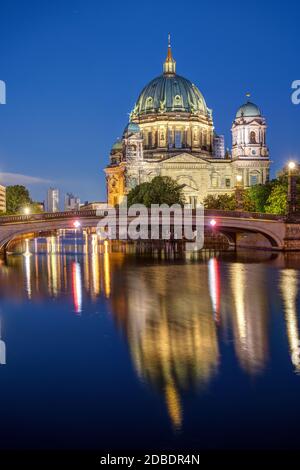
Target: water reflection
x: 2, y: 346
x: 249, y: 316
x: 172, y: 337
x: 172, y: 314
x: 289, y: 290
x: 77, y: 286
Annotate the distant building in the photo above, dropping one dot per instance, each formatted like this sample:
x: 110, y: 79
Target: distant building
x: 53, y: 200
x: 219, y: 146
x: 93, y: 205
x: 71, y: 202
x: 2, y: 198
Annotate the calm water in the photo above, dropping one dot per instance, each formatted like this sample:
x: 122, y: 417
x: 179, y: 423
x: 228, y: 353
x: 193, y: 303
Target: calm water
x: 114, y: 351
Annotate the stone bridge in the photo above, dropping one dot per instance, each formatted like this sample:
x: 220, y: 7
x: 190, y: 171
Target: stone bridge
x: 243, y: 229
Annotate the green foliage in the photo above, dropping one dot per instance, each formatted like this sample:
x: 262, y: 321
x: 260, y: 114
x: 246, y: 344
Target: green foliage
x: 270, y: 197
x: 277, y: 200
x: 256, y: 197
x: 220, y: 202
x: 17, y: 197
x: 34, y: 208
x: 161, y: 190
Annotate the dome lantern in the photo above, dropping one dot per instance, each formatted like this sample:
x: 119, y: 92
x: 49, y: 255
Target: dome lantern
x: 170, y: 63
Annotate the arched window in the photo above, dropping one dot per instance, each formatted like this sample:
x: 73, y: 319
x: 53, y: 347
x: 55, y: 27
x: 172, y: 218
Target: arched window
x: 149, y: 102
x: 177, y: 100
x: 252, y: 137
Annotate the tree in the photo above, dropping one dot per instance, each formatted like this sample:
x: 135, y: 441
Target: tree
x: 277, y: 200
x: 256, y: 197
x: 161, y: 190
x: 16, y: 198
x: 222, y: 202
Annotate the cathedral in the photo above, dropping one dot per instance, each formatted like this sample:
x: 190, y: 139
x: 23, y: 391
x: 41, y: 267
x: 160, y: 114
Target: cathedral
x: 171, y: 133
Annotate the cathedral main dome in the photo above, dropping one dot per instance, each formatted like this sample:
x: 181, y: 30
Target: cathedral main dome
x: 170, y: 93
x: 172, y: 116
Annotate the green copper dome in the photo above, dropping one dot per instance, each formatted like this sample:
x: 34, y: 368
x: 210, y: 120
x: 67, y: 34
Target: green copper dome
x: 248, y: 110
x: 132, y: 128
x: 170, y: 93
x: 118, y: 145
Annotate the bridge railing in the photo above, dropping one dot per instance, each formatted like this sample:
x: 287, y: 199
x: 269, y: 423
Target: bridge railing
x: 46, y: 216
x: 243, y: 214
x: 10, y: 219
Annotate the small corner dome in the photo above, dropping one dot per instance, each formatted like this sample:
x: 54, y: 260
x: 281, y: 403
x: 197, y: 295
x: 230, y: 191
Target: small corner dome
x: 248, y: 110
x: 117, y: 145
x: 132, y: 128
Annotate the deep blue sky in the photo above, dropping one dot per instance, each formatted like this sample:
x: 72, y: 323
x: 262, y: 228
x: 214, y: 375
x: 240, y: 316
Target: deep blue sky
x: 74, y: 69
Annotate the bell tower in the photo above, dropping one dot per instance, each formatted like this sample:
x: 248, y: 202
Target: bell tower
x: 249, y: 132
x: 250, y: 154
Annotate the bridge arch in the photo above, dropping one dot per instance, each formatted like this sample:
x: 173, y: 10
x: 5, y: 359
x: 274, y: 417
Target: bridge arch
x: 230, y: 223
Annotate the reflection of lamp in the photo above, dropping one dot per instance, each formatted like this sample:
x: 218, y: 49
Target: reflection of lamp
x: 289, y: 293
x: 77, y: 287
x: 2, y: 349
x: 292, y: 189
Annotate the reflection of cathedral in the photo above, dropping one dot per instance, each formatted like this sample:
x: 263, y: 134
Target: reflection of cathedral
x: 171, y: 133
x: 177, y: 317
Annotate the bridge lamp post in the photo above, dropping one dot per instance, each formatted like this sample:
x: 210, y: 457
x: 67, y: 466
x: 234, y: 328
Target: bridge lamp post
x: 26, y: 210
x: 239, y: 193
x: 76, y: 224
x: 292, y: 189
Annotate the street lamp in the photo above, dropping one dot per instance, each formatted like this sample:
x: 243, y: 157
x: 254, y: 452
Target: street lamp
x: 239, y: 179
x: 292, y: 189
x: 292, y: 166
x: 26, y: 210
x: 239, y: 193
x: 76, y: 224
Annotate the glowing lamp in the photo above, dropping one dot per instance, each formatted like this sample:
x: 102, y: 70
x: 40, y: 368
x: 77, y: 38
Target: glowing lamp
x: 239, y: 178
x: 26, y: 210
x: 292, y: 165
x: 76, y: 224
x: 213, y: 222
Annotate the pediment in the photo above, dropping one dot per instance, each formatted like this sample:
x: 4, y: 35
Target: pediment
x: 183, y: 158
